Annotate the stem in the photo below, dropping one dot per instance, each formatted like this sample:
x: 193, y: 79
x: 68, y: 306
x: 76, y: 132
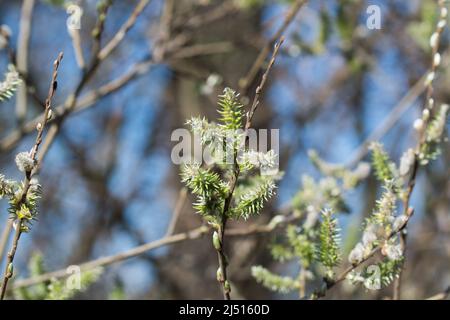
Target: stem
x: 421, y: 141
x: 4, y: 238
x: 10, y: 259
x: 8, y: 273
x: 196, y: 233
x: 223, y: 279
x: 302, y: 283
x: 246, y: 81
x: 221, y: 229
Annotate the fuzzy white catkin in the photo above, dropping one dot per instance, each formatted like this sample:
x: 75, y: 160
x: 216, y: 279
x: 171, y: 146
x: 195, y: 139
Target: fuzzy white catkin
x: 406, y: 162
x: 418, y: 125
x: 368, y: 237
x: 394, y: 252
x: 430, y: 78
x: 425, y: 114
x: 437, y: 59
x: 434, y: 40
x: 24, y: 162
x: 444, y: 13
x: 441, y: 24
x: 357, y: 254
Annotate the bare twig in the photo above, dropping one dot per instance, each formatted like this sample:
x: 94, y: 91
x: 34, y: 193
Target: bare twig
x: 260, y: 87
x: 71, y: 101
x: 193, y: 234
x: 22, y: 57
x: 441, y: 296
x: 194, y: 21
x: 203, y: 49
x: 91, y: 97
x: 177, y: 211
x: 246, y: 81
x: 87, y: 100
x: 4, y: 238
x: 391, y: 119
x: 120, y: 35
x: 97, y: 32
x: 75, y: 104
x: 165, y: 26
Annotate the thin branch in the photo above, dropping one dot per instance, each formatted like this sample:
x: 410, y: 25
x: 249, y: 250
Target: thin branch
x: 203, y: 49
x: 429, y: 103
x: 97, y: 32
x: 398, y: 280
x: 22, y: 57
x: 440, y: 296
x: 194, y: 21
x: 8, y: 273
x: 223, y: 280
x: 260, y: 87
x: 391, y: 119
x: 87, y: 100
x: 120, y: 35
x: 246, y: 81
x: 4, y: 238
x: 71, y: 101
x: 181, y: 199
x: 165, y: 29
x: 193, y: 234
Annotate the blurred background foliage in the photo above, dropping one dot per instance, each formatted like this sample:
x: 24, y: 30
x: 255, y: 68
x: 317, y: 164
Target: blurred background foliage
x: 108, y: 181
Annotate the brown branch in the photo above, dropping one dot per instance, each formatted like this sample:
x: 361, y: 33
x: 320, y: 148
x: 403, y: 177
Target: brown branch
x: 391, y: 119
x: 260, y: 87
x: 203, y: 49
x: 8, y: 273
x: 97, y: 32
x: 246, y: 81
x: 223, y: 280
x: 86, y: 101
x: 22, y: 57
x: 194, y: 21
x: 440, y: 296
x: 181, y: 199
x: 398, y: 280
x: 429, y: 103
x: 193, y: 234
x: 120, y: 35
x: 91, y: 97
x: 71, y: 101
x: 4, y: 238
